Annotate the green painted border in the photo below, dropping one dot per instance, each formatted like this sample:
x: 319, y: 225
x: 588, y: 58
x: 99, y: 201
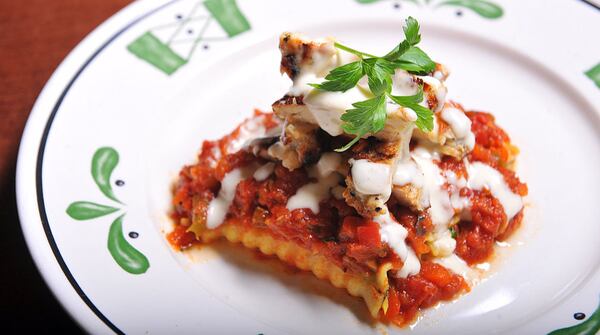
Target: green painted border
x: 591, y: 326
x: 594, y: 74
x: 149, y: 48
x: 104, y: 161
x: 159, y: 54
x: 484, y: 8
x: 229, y: 16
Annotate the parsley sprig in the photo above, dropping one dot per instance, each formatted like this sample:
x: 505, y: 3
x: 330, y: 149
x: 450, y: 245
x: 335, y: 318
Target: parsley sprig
x: 369, y: 116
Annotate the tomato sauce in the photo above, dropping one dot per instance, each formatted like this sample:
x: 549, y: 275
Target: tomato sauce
x: 338, y: 231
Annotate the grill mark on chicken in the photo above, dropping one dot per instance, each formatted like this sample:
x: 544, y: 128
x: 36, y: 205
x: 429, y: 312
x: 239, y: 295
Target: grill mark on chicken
x: 295, y: 52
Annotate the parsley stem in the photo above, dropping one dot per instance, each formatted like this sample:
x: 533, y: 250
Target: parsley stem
x: 353, y: 51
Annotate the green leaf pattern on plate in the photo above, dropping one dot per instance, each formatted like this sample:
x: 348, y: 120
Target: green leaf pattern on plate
x: 128, y: 257
x: 149, y: 48
x: 594, y: 74
x: 104, y: 161
x: 161, y: 54
x: 484, y: 8
x: 591, y: 326
x: 85, y: 210
x: 229, y: 16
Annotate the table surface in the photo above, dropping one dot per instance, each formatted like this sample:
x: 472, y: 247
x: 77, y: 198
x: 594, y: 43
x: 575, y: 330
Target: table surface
x: 35, y: 36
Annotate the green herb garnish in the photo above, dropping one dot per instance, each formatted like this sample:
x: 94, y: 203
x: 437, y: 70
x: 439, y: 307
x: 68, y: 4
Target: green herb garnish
x: 369, y: 116
x: 453, y: 232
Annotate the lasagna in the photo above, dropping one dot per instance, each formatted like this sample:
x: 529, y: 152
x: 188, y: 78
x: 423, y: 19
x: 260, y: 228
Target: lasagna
x: 398, y: 219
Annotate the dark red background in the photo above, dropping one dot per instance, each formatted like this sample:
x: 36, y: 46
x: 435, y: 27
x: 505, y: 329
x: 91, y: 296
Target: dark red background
x: 35, y: 35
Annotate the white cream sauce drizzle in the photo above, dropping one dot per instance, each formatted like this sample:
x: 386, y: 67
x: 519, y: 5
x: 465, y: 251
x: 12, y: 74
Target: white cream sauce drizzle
x: 249, y: 130
x: 483, y: 176
x: 325, y: 108
x: 403, y: 83
x: 311, y: 195
x: 460, y: 125
x: 440, y: 192
x: 323, y: 60
x: 407, y: 172
x: 455, y: 184
x: 328, y: 163
x: 439, y: 189
x: 394, y: 234
x: 455, y: 264
x: 439, y: 91
x: 371, y: 178
x: 263, y: 172
x: 219, y: 206
x: 434, y: 195
x: 443, y: 244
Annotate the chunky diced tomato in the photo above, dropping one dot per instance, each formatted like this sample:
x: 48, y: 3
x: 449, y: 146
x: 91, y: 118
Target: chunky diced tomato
x: 348, y: 229
x: 368, y: 234
x: 336, y: 231
x: 436, y: 274
x: 393, y: 304
x: 181, y: 238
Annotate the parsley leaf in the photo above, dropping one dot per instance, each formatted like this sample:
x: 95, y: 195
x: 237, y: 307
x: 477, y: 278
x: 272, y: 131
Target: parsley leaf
x: 352, y: 51
x: 397, y: 51
x: 424, y: 115
x: 366, y: 117
x: 379, y: 73
x: 415, y: 60
x: 342, y: 78
x: 453, y: 232
x: 411, y: 31
x: 412, y: 38
x: 408, y: 99
x: 369, y: 116
x: 424, y: 118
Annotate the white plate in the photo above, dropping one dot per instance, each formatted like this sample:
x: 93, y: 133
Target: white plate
x: 140, y: 87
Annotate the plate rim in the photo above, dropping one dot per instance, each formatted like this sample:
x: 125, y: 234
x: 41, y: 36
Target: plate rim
x: 80, y: 52
x: 108, y: 26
